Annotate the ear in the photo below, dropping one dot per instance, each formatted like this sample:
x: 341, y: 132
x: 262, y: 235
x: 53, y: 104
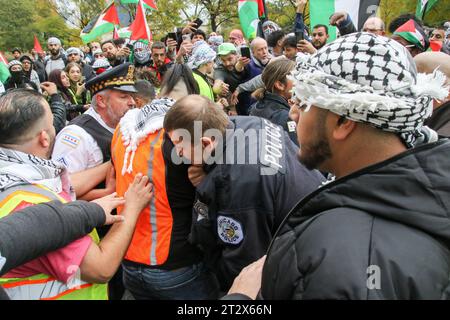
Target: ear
x: 342, y: 127
x: 101, y: 101
x: 44, y: 139
x: 278, y: 85
x: 207, y: 142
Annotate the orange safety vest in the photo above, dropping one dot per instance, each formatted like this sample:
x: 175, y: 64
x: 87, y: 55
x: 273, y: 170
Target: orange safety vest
x: 151, y: 240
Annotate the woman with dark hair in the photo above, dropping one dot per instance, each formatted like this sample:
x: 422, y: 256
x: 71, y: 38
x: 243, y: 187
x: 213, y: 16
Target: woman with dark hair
x: 62, y: 82
x: 179, y: 82
x: 273, y: 99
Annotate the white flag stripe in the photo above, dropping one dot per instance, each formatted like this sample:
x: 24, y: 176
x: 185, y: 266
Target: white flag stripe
x: 351, y: 7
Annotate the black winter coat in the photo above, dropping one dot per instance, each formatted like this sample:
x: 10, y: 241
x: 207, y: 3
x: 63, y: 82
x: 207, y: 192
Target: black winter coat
x: 242, y: 203
x: 380, y: 233
x: 275, y: 109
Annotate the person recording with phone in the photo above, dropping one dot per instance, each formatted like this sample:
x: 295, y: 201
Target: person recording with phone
x: 78, y: 94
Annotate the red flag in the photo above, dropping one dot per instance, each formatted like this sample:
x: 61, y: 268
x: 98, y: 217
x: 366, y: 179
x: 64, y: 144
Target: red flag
x: 3, y: 59
x: 139, y: 28
x: 111, y: 15
x: 37, y: 45
x: 261, y: 10
x: 151, y: 4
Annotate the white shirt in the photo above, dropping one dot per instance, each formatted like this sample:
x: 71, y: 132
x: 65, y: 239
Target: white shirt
x: 77, y: 149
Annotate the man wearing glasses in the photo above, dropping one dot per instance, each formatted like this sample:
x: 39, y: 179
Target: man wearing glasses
x: 374, y: 25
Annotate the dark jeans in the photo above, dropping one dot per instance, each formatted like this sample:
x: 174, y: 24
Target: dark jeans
x: 188, y: 283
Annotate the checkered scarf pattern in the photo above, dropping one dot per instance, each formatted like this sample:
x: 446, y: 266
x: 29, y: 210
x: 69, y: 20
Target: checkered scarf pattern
x: 141, y: 56
x: 201, y: 54
x: 137, y: 124
x: 369, y: 79
x: 18, y: 168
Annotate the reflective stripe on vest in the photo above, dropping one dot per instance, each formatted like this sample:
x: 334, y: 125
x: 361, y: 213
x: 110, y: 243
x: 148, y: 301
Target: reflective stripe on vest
x: 151, y: 240
x: 33, y: 194
x: 205, y: 88
x: 42, y: 286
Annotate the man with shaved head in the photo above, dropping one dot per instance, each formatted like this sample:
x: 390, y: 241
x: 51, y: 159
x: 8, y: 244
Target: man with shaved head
x: 428, y: 62
x: 247, y: 178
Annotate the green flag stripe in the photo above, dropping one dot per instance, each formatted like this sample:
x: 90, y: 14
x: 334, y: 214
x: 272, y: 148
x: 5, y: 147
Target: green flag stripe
x: 320, y: 12
x: 136, y: 2
x: 97, y: 32
x: 430, y: 4
x: 248, y: 16
x: 4, y: 73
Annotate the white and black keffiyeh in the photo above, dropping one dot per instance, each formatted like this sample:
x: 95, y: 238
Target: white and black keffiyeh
x: 201, y: 54
x: 370, y: 79
x: 142, y: 52
x: 18, y: 168
x: 137, y: 124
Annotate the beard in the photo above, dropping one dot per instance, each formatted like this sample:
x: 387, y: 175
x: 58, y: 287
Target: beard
x: 51, y: 147
x: 54, y: 52
x: 318, y: 44
x: 313, y: 154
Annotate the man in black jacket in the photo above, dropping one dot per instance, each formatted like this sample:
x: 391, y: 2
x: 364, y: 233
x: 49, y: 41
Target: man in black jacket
x: 247, y: 178
x: 381, y: 230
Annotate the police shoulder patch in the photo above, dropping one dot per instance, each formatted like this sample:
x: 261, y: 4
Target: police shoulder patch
x: 230, y: 230
x: 291, y: 126
x: 71, y: 140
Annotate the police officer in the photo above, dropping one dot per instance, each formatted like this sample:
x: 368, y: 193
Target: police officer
x: 247, y: 177
x: 86, y: 142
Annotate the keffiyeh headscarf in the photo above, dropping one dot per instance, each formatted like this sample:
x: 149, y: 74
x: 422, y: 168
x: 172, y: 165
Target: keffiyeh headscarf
x: 201, y: 54
x: 215, y: 42
x: 137, y: 124
x: 269, y: 27
x: 369, y: 79
x: 13, y: 63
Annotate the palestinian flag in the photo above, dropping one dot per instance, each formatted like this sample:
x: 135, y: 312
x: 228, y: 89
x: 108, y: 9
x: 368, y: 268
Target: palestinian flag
x: 4, y: 71
x: 148, y: 4
x: 423, y: 7
x: 124, y: 33
x: 250, y: 13
x: 359, y: 11
x: 139, y: 28
x: 414, y: 34
x: 104, y: 23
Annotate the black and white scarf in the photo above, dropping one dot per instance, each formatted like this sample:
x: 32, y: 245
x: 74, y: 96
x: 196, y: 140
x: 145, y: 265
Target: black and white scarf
x: 370, y: 79
x: 18, y: 168
x: 137, y: 124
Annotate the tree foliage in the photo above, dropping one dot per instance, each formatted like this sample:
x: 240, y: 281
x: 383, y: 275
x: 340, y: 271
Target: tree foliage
x: 22, y: 19
x: 78, y: 13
